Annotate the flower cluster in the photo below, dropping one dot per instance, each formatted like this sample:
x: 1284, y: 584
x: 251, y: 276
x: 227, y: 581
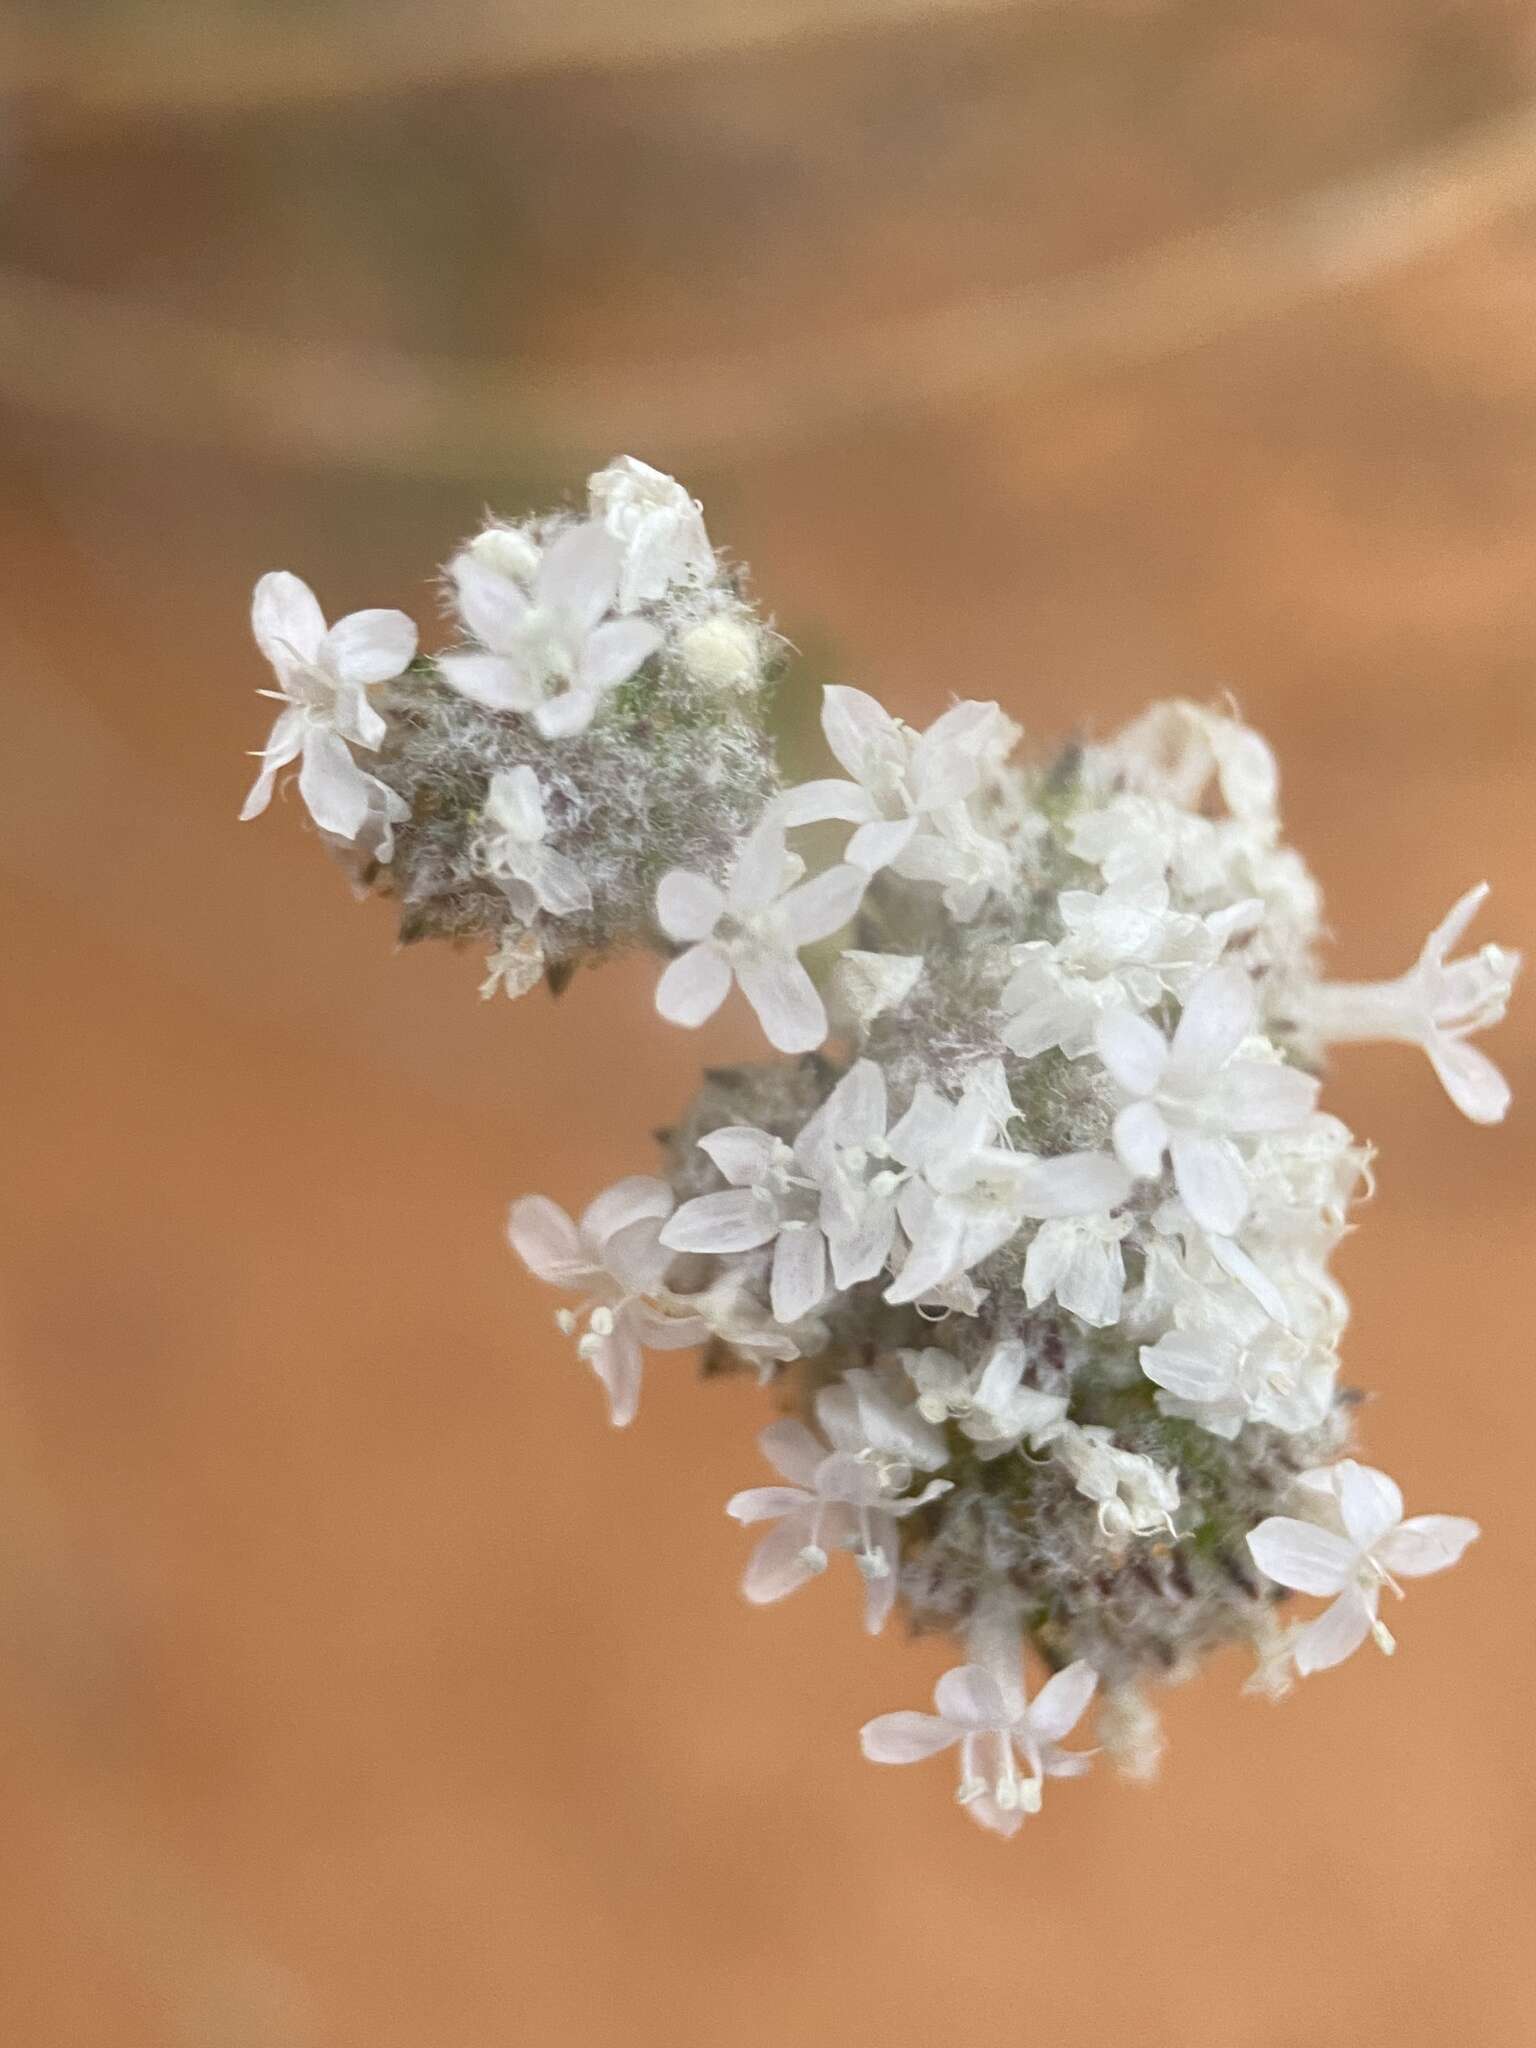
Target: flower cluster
x: 1028, y: 1225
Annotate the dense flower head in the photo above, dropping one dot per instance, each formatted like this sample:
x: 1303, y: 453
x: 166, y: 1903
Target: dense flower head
x: 1025, y: 1216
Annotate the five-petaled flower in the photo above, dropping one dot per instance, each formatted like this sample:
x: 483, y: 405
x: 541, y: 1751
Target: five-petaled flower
x: 513, y: 849
x: 1191, y: 1097
x: 846, y: 1497
x: 659, y: 528
x: 325, y: 674
x: 968, y: 1194
x: 996, y: 1728
x: 1437, y: 1004
x: 908, y: 793
x: 553, y: 652
x: 615, y: 1258
x: 1369, y: 1547
x: 753, y: 930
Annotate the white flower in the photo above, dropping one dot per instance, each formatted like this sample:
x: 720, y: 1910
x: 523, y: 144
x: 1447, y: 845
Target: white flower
x: 1191, y: 1096
x: 996, y: 1728
x: 1080, y: 1260
x: 512, y: 849
x: 1246, y: 1369
x: 325, y: 675
x: 753, y: 929
x: 853, y: 1160
x: 1175, y: 749
x: 1120, y: 950
x: 968, y: 1194
x: 1371, y: 1544
x: 908, y: 794
x: 553, y: 652
x: 1437, y: 1004
x: 657, y: 525
x: 993, y: 1406
x: 848, y: 1497
x: 1135, y: 1496
x: 771, y: 1200
x: 615, y: 1258
x: 733, y: 1309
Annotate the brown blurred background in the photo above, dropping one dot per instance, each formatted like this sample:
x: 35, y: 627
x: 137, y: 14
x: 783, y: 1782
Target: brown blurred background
x: 358, y: 1687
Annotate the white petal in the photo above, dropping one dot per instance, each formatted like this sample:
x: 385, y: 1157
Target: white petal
x: 793, y: 1449
x: 792, y: 1014
x: 493, y: 680
x: 638, y: 1198
x: 813, y: 802
x: 1470, y: 1078
x: 935, y: 1257
x: 761, y: 868
x: 372, y: 646
x: 876, y: 845
x: 1133, y: 1050
x: 561, y: 887
x: 880, y: 1590
x: 1262, y: 1095
x: 1060, y: 1703
x: 332, y: 785
x: 515, y: 802
x: 970, y: 1697
x: 857, y: 1105
x: 735, y: 1220
x: 286, y: 619
x: 799, y: 1278
x: 638, y: 1260
x: 1046, y: 1261
x: 693, y: 987
x: 613, y: 652
x: 777, y: 1567
x: 1093, y: 1285
x: 1426, y: 1543
x: 1190, y: 1364
x: 1001, y: 1377
x: 1221, y: 1011
x: 860, y: 1243
x: 579, y: 574
x: 861, y: 732
x: 823, y: 905
x: 494, y: 608
x: 744, y: 1155
x: 688, y: 906
x: 563, y: 716
x: 1141, y: 1139
x: 1369, y: 1502
x: 1302, y: 1556
x: 546, y: 1241
x: 767, y: 1503
x: 1212, y: 1181
x: 946, y: 759
x: 1337, y: 1632
x: 619, y: 1365
x: 905, y: 1738
x: 660, y: 1332
x: 1450, y: 928
x: 284, y: 743
x: 922, y: 1126
x: 1077, y: 1184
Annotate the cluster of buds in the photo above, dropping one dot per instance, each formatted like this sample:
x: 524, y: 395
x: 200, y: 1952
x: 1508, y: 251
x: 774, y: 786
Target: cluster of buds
x: 1027, y: 1226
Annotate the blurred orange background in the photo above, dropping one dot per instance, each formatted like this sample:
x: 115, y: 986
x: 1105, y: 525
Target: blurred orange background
x: 359, y: 1688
